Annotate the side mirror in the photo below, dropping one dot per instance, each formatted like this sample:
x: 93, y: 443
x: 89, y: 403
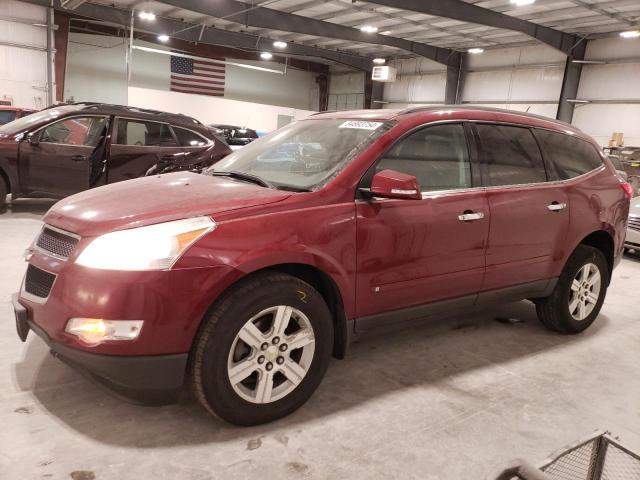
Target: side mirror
x: 393, y: 184
x: 33, y: 138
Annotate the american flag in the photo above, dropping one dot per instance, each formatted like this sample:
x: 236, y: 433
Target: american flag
x: 204, y: 77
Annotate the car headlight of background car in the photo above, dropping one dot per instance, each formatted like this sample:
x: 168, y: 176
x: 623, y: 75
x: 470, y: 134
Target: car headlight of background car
x: 154, y: 247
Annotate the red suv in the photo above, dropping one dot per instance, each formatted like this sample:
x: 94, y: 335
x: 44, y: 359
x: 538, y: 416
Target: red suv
x: 246, y: 279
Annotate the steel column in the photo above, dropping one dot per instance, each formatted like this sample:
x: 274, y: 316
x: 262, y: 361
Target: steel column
x: 455, y: 79
x: 571, y: 82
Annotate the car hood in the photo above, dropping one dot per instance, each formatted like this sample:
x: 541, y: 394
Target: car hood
x: 149, y: 200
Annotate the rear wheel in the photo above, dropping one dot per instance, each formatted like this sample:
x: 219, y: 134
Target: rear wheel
x: 263, y: 350
x: 578, y: 296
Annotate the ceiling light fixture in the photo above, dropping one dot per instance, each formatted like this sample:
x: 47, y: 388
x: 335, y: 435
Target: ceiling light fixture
x: 475, y: 50
x: 521, y: 3
x: 630, y: 34
x: 279, y: 44
x: 379, y: 61
x: 369, y: 29
x: 163, y: 38
x: 147, y: 16
x: 266, y: 56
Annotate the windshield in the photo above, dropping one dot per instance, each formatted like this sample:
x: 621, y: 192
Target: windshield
x: 26, y: 122
x: 302, y: 155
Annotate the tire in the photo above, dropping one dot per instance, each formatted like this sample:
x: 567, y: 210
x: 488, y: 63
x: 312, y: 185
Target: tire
x: 221, y: 343
x: 555, y: 311
x: 3, y: 192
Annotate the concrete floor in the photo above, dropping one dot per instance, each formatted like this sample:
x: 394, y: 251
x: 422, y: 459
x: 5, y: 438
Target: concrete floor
x: 455, y: 398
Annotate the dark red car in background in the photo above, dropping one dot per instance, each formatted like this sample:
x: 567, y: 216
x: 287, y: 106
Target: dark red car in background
x: 9, y: 113
x: 70, y: 148
x: 247, y: 278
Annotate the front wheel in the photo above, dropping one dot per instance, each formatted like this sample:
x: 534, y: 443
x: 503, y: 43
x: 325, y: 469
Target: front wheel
x: 578, y: 296
x: 263, y: 350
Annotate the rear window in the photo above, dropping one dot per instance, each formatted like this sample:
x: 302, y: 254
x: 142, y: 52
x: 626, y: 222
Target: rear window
x: 144, y: 134
x: 187, y: 138
x: 7, y: 116
x: 569, y: 156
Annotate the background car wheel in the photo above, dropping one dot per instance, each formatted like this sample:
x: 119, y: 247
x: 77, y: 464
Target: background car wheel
x: 577, y: 298
x: 263, y: 349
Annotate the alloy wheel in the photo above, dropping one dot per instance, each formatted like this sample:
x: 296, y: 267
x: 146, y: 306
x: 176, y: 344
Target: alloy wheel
x: 585, y: 291
x: 271, y: 354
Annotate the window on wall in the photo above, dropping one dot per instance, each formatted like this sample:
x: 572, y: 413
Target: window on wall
x: 437, y: 156
x: 187, y: 138
x: 511, y: 155
x: 570, y: 156
x: 86, y: 131
x: 144, y: 134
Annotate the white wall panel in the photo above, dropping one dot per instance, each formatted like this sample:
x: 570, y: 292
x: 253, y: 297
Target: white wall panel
x: 610, y: 82
x: 23, y: 72
x: 416, y: 88
x: 346, y: 90
x: 514, y: 85
x: 600, y: 121
x: 612, y: 48
x: 214, y: 109
x: 534, y: 55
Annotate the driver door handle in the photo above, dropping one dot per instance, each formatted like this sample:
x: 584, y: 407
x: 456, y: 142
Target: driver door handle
x: 470, y: 216
x: 78, y: 158
x: 556, y: 207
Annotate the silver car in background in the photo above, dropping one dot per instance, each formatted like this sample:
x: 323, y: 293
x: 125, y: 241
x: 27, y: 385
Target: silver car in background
x: 633, y: 230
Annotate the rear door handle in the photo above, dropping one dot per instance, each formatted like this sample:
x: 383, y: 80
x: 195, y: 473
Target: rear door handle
x: 470, y: 216
x: 78, y: 158
x: 556, y: 207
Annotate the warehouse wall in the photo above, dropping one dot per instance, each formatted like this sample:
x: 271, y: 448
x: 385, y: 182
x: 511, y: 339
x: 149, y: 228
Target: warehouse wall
x: 611, y: 82
x: 346, y: 89
x: 92, y: 57
x: 23, y: 72
x: 263, y: 118
x: 524, y: 78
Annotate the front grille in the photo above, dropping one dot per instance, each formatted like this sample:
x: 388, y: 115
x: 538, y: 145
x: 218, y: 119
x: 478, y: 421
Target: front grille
x: 38, y: 282
x: 57, y: 243
x: 634, y: 222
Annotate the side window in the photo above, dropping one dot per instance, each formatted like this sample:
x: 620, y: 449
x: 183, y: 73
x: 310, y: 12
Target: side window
x: 187, y: 138
x: 144, y: 134
x: 437, y: 156
x: 510, y: 154
x: 570, y: 156
x: 85, y: 131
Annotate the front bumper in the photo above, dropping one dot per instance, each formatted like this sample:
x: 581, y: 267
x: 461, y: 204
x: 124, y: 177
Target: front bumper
x: 149, y: 380
x: 633, y: 239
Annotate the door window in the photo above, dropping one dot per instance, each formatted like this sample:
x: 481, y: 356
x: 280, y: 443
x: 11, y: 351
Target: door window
x: 144, y: 134
x: 570, y: 156
x: 187, y: 138
x: 437, y: 156
x: 511, y: 155
x: 75, y: 131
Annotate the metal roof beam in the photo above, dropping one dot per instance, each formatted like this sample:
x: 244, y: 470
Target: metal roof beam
x: 467, y: 12
x: 210, y: 35
x: 261, y: 17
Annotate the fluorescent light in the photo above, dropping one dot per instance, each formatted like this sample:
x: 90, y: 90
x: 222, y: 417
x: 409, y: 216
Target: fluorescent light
x: 379, y: 61
x: 369, y: 29
x: 266, y: 56
x: 475, y: 50
x: 630, y: 34
x: 147, y: 16
x: 279, y: 44
x: 521, y: 3
x: 163, y: 38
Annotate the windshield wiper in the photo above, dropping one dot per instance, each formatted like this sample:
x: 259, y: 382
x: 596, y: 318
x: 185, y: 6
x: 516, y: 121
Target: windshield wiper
x: 291, y: 188
x: 247, y: 177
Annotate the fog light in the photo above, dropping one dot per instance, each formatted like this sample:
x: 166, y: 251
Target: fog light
x: 94, y: 331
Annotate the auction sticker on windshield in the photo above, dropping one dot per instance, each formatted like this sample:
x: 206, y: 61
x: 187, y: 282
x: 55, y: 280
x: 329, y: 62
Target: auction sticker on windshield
x: 360, y: 125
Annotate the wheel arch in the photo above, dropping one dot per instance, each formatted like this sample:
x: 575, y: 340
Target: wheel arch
x: 603, y: 241
x: 4, y: 177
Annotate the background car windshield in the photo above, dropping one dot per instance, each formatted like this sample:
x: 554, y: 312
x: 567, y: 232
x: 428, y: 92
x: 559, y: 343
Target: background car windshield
x: 7, y: 116
x: 25, y: 122
x: 304, y: 154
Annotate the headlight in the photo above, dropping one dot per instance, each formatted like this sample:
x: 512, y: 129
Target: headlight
x: 155, y: 247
